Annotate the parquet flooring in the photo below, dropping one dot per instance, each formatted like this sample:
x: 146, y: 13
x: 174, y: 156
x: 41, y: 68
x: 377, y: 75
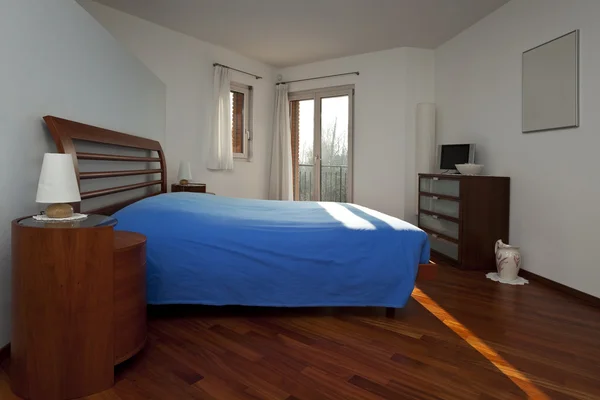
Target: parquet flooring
x: 460, y: 337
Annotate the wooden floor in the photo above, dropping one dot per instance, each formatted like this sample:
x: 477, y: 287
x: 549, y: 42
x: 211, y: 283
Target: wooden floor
x: 493, y: 342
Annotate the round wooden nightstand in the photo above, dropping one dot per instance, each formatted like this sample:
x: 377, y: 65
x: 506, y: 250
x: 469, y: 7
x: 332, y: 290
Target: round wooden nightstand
x: 130, y: 294
x: 79, y: 305
x: 190, y: 187
x: 62, y: 343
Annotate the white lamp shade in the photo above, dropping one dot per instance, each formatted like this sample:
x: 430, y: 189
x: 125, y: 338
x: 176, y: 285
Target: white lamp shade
x: 58, y: 183
x: 185, y: 171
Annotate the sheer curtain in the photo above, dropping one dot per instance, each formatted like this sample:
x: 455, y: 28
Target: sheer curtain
x: 220, y: 155
x: 280, y: 182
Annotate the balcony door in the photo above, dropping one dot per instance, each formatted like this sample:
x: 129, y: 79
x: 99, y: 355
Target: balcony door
x: 321, y: 122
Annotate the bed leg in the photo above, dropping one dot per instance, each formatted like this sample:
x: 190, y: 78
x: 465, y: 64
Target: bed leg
x: 390, y: 312
x: 427, y: 272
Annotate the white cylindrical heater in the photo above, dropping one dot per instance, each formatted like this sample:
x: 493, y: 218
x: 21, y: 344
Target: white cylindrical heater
x: 425, y: 125
x: 425, y: 143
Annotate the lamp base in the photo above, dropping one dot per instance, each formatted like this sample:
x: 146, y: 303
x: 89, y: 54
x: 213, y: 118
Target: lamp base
x: 184, y: 182
x: 60, y: 210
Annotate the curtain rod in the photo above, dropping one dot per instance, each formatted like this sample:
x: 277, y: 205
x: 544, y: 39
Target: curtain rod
x: 319, y: 77
x: 238, y: 70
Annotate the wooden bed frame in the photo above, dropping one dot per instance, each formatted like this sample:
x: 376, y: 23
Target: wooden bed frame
x: 64, y: 132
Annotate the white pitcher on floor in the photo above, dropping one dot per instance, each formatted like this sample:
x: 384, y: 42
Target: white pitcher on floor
x: 508, y: 261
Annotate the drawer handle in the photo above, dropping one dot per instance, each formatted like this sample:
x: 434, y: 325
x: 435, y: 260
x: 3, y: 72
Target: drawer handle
x: 435, y: 198
x: 434, y: 216
x: 436, y: 178
x: 434, y: 235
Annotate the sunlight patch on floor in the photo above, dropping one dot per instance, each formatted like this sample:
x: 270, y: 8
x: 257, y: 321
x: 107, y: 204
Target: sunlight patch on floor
x: 490, y: 354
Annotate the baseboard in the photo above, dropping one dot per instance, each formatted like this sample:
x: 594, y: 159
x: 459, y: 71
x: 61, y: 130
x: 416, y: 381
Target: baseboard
x: 587, y: 298
x: 4, y: 353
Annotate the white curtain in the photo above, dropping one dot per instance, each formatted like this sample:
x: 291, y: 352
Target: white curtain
x: 280, y: 182
x: 220, y: 155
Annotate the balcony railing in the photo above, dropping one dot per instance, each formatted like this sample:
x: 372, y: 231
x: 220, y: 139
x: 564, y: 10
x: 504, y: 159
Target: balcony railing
x: 333, y: 183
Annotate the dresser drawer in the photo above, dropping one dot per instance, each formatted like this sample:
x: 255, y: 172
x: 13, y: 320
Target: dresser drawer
x: 439, y: 225
x: 447, y: 187
x: 444, y: 247
x: 440, y: 206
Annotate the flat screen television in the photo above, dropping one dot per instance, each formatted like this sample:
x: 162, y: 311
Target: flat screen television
x: 451, y: 154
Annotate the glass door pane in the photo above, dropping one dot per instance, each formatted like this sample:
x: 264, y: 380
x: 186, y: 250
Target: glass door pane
x: 306, y: 154
x: 334, y: 148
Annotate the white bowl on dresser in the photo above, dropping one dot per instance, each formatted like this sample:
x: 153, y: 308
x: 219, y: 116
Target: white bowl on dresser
x: 469, y: 169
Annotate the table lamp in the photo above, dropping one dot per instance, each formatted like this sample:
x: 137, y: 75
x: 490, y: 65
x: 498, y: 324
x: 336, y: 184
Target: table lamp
x: 185, y: 173
x: 58, y: 185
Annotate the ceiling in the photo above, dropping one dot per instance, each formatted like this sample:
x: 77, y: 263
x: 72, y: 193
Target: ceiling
x: 291, y: 32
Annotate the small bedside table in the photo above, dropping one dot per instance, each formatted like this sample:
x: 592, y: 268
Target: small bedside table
x: 190, y: 187
x: 78, y: 305
x: 62, y: 343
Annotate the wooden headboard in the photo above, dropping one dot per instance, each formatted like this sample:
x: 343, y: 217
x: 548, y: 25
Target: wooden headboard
x: 64, y: 132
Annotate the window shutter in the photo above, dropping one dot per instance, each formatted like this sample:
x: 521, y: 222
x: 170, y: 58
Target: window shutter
x: 237, y: 123
x: 295, y: 128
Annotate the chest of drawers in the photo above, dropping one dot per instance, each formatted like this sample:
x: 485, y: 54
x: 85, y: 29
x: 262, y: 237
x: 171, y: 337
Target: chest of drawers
x: 464, y: 216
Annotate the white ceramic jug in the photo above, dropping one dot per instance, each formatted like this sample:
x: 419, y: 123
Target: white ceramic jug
x: 508, y: 261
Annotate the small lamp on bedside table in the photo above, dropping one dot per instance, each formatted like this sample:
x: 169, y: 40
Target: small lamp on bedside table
x: 185, y: 173
x: 58, y: 185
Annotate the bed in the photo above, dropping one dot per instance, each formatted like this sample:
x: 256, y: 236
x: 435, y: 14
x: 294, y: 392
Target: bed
x: 214, y: 250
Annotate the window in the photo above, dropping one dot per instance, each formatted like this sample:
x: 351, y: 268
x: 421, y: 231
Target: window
x: 241, y: 109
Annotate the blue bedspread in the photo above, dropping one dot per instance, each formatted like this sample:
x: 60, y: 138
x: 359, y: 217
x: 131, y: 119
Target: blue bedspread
x: 214, y: 250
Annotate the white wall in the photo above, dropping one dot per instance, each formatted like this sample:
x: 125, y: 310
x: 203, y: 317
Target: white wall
x: 554, y: 175
x: 387, y: 90
x: 56, y: 59
x: 184, y: 64
x: 391, y: 83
